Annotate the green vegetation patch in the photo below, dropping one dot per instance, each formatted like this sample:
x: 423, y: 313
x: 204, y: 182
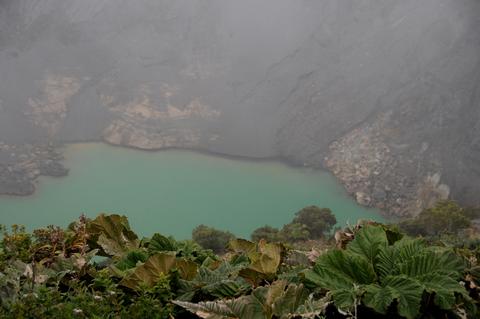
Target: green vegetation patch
x: 101, y: 269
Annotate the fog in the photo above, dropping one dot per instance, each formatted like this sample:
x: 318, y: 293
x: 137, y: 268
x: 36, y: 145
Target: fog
x: 384, y: 90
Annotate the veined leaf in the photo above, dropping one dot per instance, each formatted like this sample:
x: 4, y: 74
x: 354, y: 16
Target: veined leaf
x: 226, y: 288
x: 242, y: 246
x: 429, y: 262
x: 444, y: 287
x: 338, y: 269
x: 346, y: 299
x: 159, y: 243
x: 310, y: 309
x: 399, y: 273
x: 289, y: 301
x: 220, y: 282
x: 112, y: 234
x: 265, y: 258
x: 386, y: 262
x: 389, y: 258
x: 150, y: 272
x: 275, y: 301
x: 243, y: 307
x: 131, y: 259
x: 187, y: 268
x: 406, y: 291
x: 406, y: 248
x: 368, y: 242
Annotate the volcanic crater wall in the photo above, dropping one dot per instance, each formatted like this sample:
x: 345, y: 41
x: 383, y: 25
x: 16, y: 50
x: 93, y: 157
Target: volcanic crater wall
x: 385, y: 94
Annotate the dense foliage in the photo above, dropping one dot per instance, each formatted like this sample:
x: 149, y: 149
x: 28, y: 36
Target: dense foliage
x: 101, y: 269
x: 445, y: 217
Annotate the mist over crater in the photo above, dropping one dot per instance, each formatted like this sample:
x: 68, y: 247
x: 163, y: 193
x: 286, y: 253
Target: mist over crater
x: 386, y: 95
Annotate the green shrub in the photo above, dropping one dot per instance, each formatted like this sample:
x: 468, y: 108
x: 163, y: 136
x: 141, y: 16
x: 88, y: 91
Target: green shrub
x: 294, y: 232
x: 267, y: 233
x: 378, y: 273
x: 446, y: 217
x: 211, y: 238
x: 317, y: 221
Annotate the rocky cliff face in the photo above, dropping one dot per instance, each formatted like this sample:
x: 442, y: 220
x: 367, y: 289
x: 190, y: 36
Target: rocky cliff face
x: 385, y: 95
x: 152, y: 122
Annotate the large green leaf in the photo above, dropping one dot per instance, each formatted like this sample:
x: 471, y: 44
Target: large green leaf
x: 338, y: 269
x: 407, y: 292
x: 112, y: 234
x: 268, y: 258
x: 243, y: 307
x: 265, y: 258
x: 242, y: 246
x: 344, y: 274
x: 386, y: 262
x: 444, y: 287
x: 346, y: 299
x: 131, y: 259
x: 290, y: 300
x: 187, y: 268
x: 222, y: 271
x: 220, y: 282
x: 436, y: 271
x: 278, y: 300
x: 390, y: 257
x: 399, y: 273
x: 429, y: 262
x: 312, y: 308
x: 226, y: 288
x: 368, y: 242
x: 159, y: 243
x: 407, y: 247
x: 150, y: 272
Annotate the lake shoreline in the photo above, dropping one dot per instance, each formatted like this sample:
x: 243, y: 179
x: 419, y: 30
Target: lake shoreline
x: 28, y: 180
x: 215, y: 154
x: 60, y: 161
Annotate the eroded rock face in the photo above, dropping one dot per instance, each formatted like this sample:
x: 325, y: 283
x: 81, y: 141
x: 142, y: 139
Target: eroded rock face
x: 385, y: 95
x: 136, y: 135
x: 152, y: 122
x: 49, y: 110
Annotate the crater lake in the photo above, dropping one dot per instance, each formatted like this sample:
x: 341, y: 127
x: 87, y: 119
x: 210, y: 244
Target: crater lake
x: 173, y: 191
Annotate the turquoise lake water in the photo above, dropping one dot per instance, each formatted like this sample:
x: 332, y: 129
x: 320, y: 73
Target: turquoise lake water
x: 173, y: 191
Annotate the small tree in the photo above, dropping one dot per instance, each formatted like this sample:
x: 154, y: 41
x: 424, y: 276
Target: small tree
x: 211, y: 238
x: 294, y: 232
x: 318, y: 221
x: 268, y: 233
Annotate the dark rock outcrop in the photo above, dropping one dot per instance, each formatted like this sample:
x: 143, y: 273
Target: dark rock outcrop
x: 21, y: 165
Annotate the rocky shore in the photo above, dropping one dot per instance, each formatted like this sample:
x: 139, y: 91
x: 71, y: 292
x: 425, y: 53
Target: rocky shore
x: 21, y: 165
x: 379, y: 173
